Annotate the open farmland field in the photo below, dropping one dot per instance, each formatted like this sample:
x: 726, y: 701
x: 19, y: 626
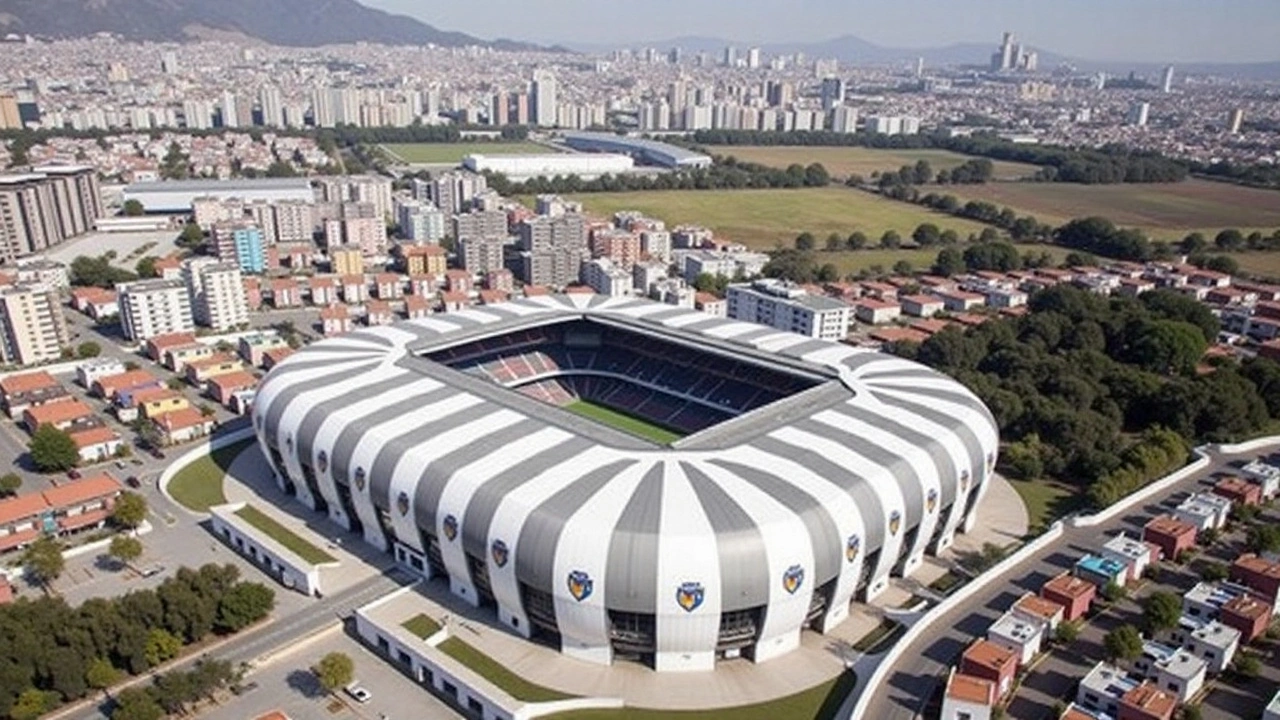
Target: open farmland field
x: 1165, y: 210
x: 763, y: 219
x: 427, y: 153
x: 852, y: 262
x: 842, y: 162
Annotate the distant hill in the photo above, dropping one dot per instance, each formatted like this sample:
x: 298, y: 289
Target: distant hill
x: 303, y: 23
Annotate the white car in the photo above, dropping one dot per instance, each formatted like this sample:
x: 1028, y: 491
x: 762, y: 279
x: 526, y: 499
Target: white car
x: 358, y: 693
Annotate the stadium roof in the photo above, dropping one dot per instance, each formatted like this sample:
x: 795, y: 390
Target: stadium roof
x: 653, y: 150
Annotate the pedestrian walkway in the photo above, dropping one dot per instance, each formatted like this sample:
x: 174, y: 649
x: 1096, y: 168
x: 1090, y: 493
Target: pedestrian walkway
x: 249, y: 479
x: 1002, y: 519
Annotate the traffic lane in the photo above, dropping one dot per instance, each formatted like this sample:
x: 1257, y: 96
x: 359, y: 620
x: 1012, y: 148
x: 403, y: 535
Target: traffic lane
x: 909, y: 686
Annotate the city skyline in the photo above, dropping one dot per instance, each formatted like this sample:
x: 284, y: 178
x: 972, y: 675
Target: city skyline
x: 1232, y: 31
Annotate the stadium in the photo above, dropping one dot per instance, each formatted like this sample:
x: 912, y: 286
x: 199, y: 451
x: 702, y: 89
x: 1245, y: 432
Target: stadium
x: 624, y: 479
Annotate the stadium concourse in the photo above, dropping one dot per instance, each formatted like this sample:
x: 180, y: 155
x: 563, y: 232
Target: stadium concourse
x: 797, y: 475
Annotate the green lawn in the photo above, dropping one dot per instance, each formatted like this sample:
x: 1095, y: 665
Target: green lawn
x: 198, y: 486
x: 844, y: 161
x: 819, y: 702
x: 421, y: 625
x: 622, y: 421
x: 510, y: 683
x: 283, y: 535
x: 454, y: 152
x: 881, y: 637
x: 763, y: 219
x: 1046, y: 501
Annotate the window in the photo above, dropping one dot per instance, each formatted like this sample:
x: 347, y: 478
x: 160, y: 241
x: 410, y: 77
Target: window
x: 1173, y: 686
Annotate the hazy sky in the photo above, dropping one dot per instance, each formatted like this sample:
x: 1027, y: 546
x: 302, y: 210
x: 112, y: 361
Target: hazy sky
x: 1145, y: 30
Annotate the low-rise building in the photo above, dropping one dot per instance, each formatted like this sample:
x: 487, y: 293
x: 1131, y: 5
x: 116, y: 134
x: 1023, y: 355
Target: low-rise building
x: 1266, y: 475
x: 20, y: 392
x: 1171, y: 535
x: 1238, y: 491
x: 107, y: 387
x: 1205, y: 511
x: 967, y: 698
x: 155, y: 346
x: 70, y: 507
x: 1173, y: 669
x: 1135, y: 554
x: 876, y: 312
x: 1147, y: 702
x: 1073, y: 594
x: 1103, y: 688
x: 149, y: 403
x: 1033, y: 608
x: 90, y: 370
x: 220, y: 388
x: 1248, y: 614
x: 1101, y: 571
x: 1210, y: 640
x: 922, y: 306
x: 62, y: 415
x: 1259, y: 575
x: 335, y: 320
x: 177, y: 358
x: 201, y: 371
x: 252, y: 348
x: 1018, y: 634
x: 992, y: 662
x: 183, y: 425
x: 1205, y: 600
x: 96, y: 444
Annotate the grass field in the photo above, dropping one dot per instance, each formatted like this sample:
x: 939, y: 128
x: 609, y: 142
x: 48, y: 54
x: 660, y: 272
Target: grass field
x: 1165, y: 210
x: 762, y: 219
x: 1046, y: 501
x: 622, y: 421
x: 283, y: 535
x: 510, y: 683
x: 454, y: 152
x: 421, y: 625
x: 842, y: 162
x: 819, y: 702
x: 198, y: 486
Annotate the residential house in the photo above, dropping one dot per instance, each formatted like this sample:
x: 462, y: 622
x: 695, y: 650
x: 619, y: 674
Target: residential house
x: 183, y: 426
x: 1210, y: 640
x: 1103, y: 688
x: 959, y: 300
x: 1019, y: 635
x: 424, y: 286
x: 992, y: 662
x: 82, y: 504
x: 876, y: 312
x: 335, y: 320
x: 1171, y: 535
x: 1205, y: 511
x: 1147, y: 702
x: 95, y: 302
x: 453, y: 301
x: 492, y: 297
x: 150, y: 402
x: 1072, y: 593
x: 1248, y: 614
x: 107, y: 387
x: 1134, y: 553
x: 459, y: 281
x: 324, y: 290
x: 90, y: 370
x: 95, y: 444
x: 222, y: 387
x: 271, y: 358
x: 354, y: 289
x: 710, y: 304
x: 1036, y: 609
x: 378, y: 312
x: 416, y: 307
x: 1101, y: 571
x: 177, y: 358
x: 1238, y: 491
x: 1266, y: 475
x: 156, y: 346
x: 967, y: 698
x: 390, y: 286
x: 62, y: 415
x: 1259, y: 575
x: 201, y: 371
x: 1173, y: 669
x: 923, y: 306
x: 20, y: 392
x: 286, y: 293
x: 253, y: 348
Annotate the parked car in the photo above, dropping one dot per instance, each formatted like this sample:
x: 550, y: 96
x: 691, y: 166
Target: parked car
x: 73, y: 474
x: 152, y: 571
x: 157, y: 454
x: 132, y: 481
x: 358, y: 693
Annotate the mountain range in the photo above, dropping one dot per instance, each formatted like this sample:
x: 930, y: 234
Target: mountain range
x: 852, y: 49
x: 305, y: 23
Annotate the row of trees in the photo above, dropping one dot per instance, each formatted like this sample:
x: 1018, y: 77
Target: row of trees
x: 1108, y: 164
x: 726, y: 173
x: 970, y: 172
x: 98, y: 271
x: 48, y: 647
x: 1081, y: 384
x: 174, y: 692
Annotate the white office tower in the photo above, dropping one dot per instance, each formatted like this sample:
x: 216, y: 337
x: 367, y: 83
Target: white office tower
x: 322, y: 113
x: 844, y: 119
x: 786, y: 306
x: 421, y: 222
x: 154, y: 307
x: 346, y: 106
x: 1138, y: 113
x: 753, y: 58
x: 606, y: 278
x: 833, y: 91
x: 198, y: 114
x: 1235, y: 121
x: 1166, y: 81
x: 217, y: 293
x: 272, y: 107
x: 919, y: 67
x: 230, y: 118
x: 544, y: 98
x: 730, y: 56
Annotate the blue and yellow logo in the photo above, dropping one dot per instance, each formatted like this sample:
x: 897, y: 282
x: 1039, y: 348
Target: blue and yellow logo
x: 931, y: 501
x: 450, y: 527
x: 580, y: 585
x: 895, y: 522
x: 851, y: 548
x: 499, y: 552
x: 690, y: 595
x: 402, y: 502
x: 793, y: 578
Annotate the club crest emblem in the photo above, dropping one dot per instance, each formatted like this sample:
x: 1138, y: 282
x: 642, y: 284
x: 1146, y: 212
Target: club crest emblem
x: 851, y: 547
x: 450, y: 527
x: 360, y: 481
x: 895, y: 522
x: 402, y: 503
x: 690, y: 596
x: 499, y: 552
x: 793, y: 578
x: 580, y: 585
x: 931, y: 500
x: 322, y: 462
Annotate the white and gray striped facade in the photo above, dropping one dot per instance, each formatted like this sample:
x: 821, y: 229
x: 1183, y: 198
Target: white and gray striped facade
x: 727, y: 541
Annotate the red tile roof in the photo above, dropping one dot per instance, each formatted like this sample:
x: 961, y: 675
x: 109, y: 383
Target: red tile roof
x: 80, y: 491
x: 15, y: 384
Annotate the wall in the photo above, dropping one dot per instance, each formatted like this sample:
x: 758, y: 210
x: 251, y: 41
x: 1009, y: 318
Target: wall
x: 293, y: 575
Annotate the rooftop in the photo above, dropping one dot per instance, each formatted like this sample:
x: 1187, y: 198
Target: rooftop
x: 1151, y: 699
x: 971, y: 689
x: 989, y: 655
x: 1170, y: 525
x: 1098, y: 565
x: 27, y: 382
x: 1070, y: 586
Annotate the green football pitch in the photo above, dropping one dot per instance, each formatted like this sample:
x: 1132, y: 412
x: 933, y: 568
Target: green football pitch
x: 624, y: 422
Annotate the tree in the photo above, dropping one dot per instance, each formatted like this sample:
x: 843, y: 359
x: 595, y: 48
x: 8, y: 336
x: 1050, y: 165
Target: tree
x: 101, y: 674
x: 192, y: 235
x: 805, y: 241
x: 1067, y: 632
x: 856, y: 240
x: 176, y: 383
x: 834, y: 242
x: 136, y: 704
x: 891, y: 240
x: 44, y: 560
x: 206, y: 410
x: 243, y: 605
x: 1229, y: 239
x: 125, y: 549
x: 1191, y: 712
x: 88, y: 349
x: 949, y: 237
x: 53, y: 450
x: 133, y: 208
x: 31, y: 704
x: 1264, y: 538
x: 1123, y: 643
x: 1161, y: 611
x: 146, y: 267
x: 9, y: 483
x: 1213, y: 572
x: 950, y: 261
x: 335, y: 670
x: 1193, y: 244
x: 130, y: 510
x: 1114, y: 591
x: 1246, y: 665
x: 162, y: 645
x: 926, y: 234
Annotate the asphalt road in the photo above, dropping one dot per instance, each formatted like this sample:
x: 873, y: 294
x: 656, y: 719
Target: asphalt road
x: 913, y: 680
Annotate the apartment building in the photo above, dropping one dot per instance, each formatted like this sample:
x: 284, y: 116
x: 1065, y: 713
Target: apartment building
x: 154, y: 307
x: 346, y: 261
x: 786, y: 306
x: 217, y: 293
x: 451, y: 192
x: 553, y: 249
x: 606, y: 278
x: 421, y: 222
x: 32, y: 328
x: 45, y: 207
x: 242, y: 244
